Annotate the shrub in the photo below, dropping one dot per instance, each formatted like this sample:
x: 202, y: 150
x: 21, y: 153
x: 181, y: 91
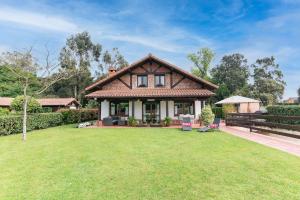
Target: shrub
x: 291, y: 110
x: 207, y: 116
x: 92, y: 104
x: 12, y: 124
x: 71, y: 116
x: 4, y: 111
x: 132, y: 121
x: 218, y: 111
x: 33, y: 105
x: 167, y: 121
x: 228, y: 108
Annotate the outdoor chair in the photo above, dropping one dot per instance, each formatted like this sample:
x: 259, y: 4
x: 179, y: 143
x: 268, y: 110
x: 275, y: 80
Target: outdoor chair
x: 214, y: 125
x: 186, y: 124
x: 107, y: 121
x: 115, y: 120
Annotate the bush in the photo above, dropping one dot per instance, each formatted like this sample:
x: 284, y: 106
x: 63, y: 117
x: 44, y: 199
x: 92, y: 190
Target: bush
x: 218, y: 111
x: 33, y: 105
x: 228, y: 108
x: 92, y: 104
x: 132, y: 121
x: 167, y: 121
x: 4, y: 111
x: 282, y: 110
x: 76, y: 116
x: 207, y: 116
x: 12, y: 124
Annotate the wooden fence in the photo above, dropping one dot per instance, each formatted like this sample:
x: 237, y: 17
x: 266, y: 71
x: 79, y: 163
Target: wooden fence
x: 281, y: 125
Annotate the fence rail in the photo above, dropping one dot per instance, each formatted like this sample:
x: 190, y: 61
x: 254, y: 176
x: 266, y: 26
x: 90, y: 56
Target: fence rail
x: 281, y: 125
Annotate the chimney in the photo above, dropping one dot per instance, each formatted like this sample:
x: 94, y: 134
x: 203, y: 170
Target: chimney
x: 111, y: 71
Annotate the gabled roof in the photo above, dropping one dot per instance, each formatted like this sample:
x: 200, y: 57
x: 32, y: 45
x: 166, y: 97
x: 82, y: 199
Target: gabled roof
x: 5, y: 101
x: 155, y: 59
x: 154, y: 92
x: 57, y: 101
x: 237, y: 99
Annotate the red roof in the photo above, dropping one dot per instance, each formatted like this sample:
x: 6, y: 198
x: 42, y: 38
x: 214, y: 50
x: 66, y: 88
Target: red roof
x: 150, y: 93
x: 5, y: 101
x: 150, y: 56
x: 57, y: 101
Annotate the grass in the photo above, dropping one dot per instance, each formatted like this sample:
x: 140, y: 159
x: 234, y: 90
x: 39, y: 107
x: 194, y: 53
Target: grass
x: 143, y: 163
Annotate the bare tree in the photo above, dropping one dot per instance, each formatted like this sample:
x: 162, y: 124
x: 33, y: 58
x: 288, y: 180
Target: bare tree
x: 25, y: 67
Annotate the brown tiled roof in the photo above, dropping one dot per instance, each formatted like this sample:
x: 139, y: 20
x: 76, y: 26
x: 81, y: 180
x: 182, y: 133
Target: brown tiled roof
x: 57, y: 101
x: 5, y: 101
x: 150, y: 56
x: 150, y: 93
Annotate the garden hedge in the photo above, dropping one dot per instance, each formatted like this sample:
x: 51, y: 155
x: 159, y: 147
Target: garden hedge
x: 283, y: 110
x: 75, y: 116
x: 12, y: 124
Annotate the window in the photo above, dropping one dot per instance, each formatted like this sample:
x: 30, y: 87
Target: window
x: 119, y: 108
x: 159, y: 80
x: 142, y: 81
x: 183, y: 108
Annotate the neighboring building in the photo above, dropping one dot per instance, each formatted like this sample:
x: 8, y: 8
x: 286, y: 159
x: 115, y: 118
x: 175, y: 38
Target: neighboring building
x: 242, y: 104
x: 150, y: 90
x: 5, y: 102
x: 54, y: 103
x: 58, y: 103
x: 292, y: 100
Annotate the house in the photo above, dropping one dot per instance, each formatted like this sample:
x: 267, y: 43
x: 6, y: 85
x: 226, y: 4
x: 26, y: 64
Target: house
x: 53, y: 103
x: 292, y: 100
x: 149, y: 90
x: 5, y: 102
x: 242, y: 104
x: 58, y: 103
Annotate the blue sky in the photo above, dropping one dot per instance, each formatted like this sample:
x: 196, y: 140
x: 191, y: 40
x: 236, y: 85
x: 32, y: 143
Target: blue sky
x: 168, y: 29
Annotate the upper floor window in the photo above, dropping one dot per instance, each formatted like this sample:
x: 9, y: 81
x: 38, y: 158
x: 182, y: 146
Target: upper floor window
x: 159, y: 80
x: 142, y: 81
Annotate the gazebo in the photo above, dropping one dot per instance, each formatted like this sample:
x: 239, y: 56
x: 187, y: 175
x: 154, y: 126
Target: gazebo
x: 242, y: 104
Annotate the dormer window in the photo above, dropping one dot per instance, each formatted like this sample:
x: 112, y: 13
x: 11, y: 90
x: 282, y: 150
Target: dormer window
x: 159, y: 80
x: 142, y: 81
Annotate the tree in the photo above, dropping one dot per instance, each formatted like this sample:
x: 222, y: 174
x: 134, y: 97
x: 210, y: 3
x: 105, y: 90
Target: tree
x: 268, y: 80
x: 33, y: 105
x: 111, y: 59
x: 24, y: 66
x: 78, y: 55
x: 298, y: 95
x: 202, y: 60
x: 233, y: 71
x: 10, y: 85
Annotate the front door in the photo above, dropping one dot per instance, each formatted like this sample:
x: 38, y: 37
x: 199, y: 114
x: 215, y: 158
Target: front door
x: 151, y: 113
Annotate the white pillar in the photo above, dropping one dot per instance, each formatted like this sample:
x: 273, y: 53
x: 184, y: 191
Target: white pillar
x: 104, y: 109
x: 197, y: 110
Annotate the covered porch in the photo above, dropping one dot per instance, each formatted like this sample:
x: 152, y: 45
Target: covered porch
x: 150, y: 111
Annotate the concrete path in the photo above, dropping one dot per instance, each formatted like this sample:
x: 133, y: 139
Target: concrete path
x: 291, y: 147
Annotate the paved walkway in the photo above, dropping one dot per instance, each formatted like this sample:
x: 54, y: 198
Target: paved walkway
x: 270, y: 141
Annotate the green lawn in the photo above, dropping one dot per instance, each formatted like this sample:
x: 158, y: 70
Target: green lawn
x: 143, y: 163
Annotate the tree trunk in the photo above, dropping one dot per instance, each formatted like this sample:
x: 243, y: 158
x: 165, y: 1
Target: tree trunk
x: 25, y: 111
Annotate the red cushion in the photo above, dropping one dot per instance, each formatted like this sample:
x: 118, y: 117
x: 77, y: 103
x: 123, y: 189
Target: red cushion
x: 186, y: 124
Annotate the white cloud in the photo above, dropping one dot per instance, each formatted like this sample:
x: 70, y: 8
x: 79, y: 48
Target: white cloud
x: 38, y: 20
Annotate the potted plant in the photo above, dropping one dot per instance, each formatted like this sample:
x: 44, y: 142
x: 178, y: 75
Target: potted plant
x: 167, y: 121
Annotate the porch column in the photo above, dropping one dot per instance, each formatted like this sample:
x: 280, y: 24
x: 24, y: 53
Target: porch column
x: 132, y: 108
x: 167, y: 108
x: 99, y: 110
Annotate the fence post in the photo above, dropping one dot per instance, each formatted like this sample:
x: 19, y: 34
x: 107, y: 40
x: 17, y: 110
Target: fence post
x: 250, y: 122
